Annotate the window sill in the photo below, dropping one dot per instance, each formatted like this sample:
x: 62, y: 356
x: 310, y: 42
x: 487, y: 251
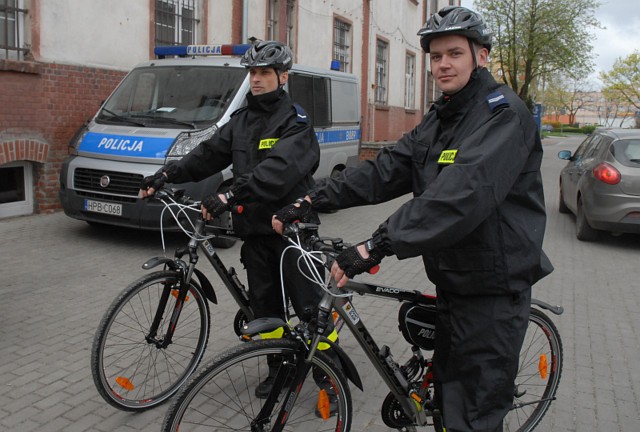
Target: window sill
x: 411, y: 111
x: 21, y: 66
x: 382, y: 107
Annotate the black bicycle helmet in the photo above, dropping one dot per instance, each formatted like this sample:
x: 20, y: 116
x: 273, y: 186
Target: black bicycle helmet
x: 268, y: 54
x: 455, y: 20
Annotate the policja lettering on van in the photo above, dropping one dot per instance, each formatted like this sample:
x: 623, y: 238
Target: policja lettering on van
x: 120, y: 144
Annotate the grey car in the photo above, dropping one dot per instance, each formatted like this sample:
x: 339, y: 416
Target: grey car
x: 601, y: 183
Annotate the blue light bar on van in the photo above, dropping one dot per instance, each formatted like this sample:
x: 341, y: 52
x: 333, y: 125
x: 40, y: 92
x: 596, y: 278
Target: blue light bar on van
x: 193, y: 50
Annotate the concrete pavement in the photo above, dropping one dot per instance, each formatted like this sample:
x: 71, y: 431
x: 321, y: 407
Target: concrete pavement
x: 58, y: 276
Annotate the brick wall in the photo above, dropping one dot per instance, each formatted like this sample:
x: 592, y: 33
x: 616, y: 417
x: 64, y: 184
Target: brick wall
x: 390, y: 123
x: 41, y: 106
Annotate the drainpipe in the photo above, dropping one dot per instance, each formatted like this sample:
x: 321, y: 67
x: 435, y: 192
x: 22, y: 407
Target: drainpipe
x: 245, y: 21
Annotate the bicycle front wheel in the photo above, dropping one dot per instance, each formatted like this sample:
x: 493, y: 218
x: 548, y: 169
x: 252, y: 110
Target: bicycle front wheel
x: 130, y: 368
x: 538, y: 376
x: 222, y: 396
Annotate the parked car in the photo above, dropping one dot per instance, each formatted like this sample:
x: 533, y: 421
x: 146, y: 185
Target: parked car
x: 601, y: 183
x: 546, y: 128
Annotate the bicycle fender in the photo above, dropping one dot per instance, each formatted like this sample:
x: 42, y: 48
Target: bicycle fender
x: 156, y: 261
x: 558, y: 310
x: 347, y: 365
x: 206, y: 286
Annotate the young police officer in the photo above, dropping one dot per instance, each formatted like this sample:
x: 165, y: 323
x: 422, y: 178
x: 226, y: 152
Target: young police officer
x: 477, y: 218
x: 274, y: 152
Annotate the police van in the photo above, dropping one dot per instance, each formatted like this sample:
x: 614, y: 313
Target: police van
x: 165, y: 107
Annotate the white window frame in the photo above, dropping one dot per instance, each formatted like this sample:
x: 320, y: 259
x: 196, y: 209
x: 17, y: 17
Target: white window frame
x: 25, y: 207
x: 17, y: 37
x: 410, y: 81
x: 382, y: 72
x: 272, y: 22
x: 178, y: 18
x: 342, y: 44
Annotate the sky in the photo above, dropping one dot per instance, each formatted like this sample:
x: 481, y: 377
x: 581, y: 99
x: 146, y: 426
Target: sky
x: 619, y: 37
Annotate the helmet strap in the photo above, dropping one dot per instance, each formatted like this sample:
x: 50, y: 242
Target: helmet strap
x: 473, y: 53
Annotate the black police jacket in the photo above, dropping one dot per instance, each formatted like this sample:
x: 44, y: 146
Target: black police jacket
x: 477, y: 215
x: 274, y: 151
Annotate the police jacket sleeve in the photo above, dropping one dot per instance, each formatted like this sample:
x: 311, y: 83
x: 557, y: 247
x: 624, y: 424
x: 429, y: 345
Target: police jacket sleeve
x: 386, y: 177
x: 467, y: 192
x: 209, y: 157
x: 295, y: 156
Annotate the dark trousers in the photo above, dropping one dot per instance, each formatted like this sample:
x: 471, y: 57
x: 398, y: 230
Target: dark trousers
x: 478, y: 342
x: 261, y: 258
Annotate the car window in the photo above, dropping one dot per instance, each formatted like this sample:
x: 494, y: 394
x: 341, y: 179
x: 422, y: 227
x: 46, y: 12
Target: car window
x: 582, y: 148
x: 627, y: 152
x: 600, y: 148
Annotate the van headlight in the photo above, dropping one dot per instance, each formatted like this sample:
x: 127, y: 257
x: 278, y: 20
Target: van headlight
x: 77, y: 138
x: 187, y: 141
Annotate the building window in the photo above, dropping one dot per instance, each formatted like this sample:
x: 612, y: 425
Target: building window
x: 410, y: 82
x: 272, y: 22
x: 16, y: 189
x: 382, y: 55
x: 176, y: 22
x: 342, y: 44
x: 291, y: 24
x: 12, y: 44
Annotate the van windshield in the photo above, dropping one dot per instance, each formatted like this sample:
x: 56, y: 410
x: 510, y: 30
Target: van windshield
x: 173, y: 97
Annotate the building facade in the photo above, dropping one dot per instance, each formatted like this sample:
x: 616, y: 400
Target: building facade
x: 59, y: 59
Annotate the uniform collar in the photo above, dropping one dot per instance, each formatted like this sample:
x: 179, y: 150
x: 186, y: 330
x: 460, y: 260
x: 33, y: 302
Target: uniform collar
x: 266, y: 102
x: 448, y: 105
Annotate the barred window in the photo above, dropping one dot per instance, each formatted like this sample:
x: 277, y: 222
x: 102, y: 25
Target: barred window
x: 341, y: 44
x: 382, y: 55
x: 176, y: 22
x: 272, y: 22
x: 12, y: 44
x: 410, y: 82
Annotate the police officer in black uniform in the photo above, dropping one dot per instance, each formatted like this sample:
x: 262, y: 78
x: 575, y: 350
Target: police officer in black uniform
x: 274, y: 152
x: 477, y: 218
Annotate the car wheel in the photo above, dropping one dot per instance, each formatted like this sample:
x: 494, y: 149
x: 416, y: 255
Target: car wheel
x: 562, y: 207
x: 584, y: 232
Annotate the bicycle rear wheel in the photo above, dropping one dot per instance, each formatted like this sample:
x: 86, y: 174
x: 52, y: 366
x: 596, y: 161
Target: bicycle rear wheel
x: 222, y: 395
x: 538, y: 376
x: 133, y: 373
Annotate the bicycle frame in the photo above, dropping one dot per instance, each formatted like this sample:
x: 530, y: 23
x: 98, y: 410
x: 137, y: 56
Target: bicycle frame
x: 380, y: 358
x: 229, y: 278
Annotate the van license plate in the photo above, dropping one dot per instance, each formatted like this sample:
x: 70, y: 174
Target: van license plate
x: 103, y: 207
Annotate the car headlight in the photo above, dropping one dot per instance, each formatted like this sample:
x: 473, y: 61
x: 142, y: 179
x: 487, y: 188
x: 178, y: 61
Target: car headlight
x: 187, y: 141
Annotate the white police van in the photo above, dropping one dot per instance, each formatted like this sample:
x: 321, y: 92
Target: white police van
x: 165, y: 107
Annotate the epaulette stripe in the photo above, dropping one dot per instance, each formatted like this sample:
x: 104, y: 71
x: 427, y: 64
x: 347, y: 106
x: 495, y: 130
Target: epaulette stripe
x: 496, y: 99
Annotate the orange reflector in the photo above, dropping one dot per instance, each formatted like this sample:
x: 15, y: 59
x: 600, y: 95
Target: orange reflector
x: 125, y: 383
x: 175, y: 294
x: 324, y: 408
x: 542, y: 366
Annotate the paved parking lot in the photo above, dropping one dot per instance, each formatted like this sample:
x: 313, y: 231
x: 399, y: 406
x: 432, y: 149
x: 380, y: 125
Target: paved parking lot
x: 59, y: 275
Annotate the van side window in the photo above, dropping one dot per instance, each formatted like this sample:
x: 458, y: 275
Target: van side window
x: 314, y: 95
x: 347, y: 93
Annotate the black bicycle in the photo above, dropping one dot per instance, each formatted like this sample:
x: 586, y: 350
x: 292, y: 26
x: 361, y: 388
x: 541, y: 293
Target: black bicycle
x: 154, y: 334
x: 311, y: 391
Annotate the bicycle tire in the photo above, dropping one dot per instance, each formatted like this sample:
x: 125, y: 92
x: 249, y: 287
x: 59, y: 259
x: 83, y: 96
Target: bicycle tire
x: 225, y: 388
x: 539, y: 372
x: 133, y: 374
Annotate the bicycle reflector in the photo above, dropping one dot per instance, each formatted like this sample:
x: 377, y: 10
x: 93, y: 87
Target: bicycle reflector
x: 324, y: 407
x: 542, y: 366
x: 125, y: 383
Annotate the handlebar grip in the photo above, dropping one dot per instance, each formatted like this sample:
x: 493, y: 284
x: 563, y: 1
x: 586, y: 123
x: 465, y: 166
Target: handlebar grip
x: 237, y: 209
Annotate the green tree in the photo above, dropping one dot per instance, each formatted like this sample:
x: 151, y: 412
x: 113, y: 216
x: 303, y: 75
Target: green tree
x: 622, y: 82
x: 536, y: 38
x: 569, y: 95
